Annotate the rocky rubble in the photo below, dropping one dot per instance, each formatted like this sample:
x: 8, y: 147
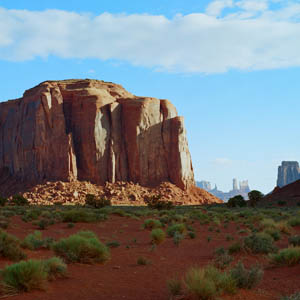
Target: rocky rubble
x: 120, y: 193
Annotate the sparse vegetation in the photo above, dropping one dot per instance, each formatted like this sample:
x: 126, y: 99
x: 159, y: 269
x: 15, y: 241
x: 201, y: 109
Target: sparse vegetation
x: 175, y: 286
x: 3, y: 201
x: 97, y: 202
x: 35, y: 241
x: 295, y: 240
x: 26, y: 276
x: 295, y: 296
x: 10, y: 247
x: 171, y: 230
x: 82, y: 247
x: 19, y: 200
x: 207, y: 283
x: 222, y: 258
x: 157, y: 236
x: 142, y: 261
x: 244, y: 278
x: 152, y: 223
x: 288, y: 256
x: 259, y: 243
x: 156, y: 202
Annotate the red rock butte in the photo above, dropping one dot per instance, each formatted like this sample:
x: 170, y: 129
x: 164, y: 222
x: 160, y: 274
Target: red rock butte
x: 90, y: 130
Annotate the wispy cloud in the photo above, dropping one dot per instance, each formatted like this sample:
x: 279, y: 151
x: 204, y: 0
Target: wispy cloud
x: 222, y: 161
x: 216, y: 7
x: 250, y: 36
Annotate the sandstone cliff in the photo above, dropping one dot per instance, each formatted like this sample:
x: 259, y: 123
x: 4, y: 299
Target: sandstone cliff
x: 288, y: 172
x: 93, y: 131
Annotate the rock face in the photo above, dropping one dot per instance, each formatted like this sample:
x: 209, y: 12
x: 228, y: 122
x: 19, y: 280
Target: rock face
x: 93, y: 131
x: 288, y: 172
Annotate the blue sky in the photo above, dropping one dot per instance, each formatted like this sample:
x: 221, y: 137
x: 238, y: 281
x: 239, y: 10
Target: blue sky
x: 230, y: 67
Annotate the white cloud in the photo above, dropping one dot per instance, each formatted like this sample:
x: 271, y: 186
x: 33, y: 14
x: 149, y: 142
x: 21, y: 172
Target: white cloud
x: 202, y: 42
x: 222, y: 161
x: 216, y: 7
x: 253, y: 5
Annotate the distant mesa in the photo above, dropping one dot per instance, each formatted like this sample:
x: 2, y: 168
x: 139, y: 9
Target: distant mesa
x: 243, y: 189
x: 288, y: 172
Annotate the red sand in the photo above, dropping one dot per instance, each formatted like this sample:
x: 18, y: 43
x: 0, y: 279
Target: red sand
x: 122, y: 278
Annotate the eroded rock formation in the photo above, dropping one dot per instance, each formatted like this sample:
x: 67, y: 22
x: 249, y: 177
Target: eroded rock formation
x: 93, y: 131
x: 288, y: 172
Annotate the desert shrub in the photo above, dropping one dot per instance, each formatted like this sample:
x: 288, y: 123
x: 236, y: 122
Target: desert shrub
x: 3, y: 201
x: 113, y: 244
x: 152, y: 223
x: 43, y: 224
x: 177, y: 238
x: 199, y: 285
x: 97, y: 202
x: 4, y: 222
x: 180, y: 228
x: 295, y: 240
x: 259, y: 243
x: 82, y: 247
x: 209, y: 282
x: 223, y: 280
x: 273, y: 232
x: 281, y: 203
x: 244, y: 278
x: 46, y: 214
x: 30, y: 215
x: 55, y: 267
x: 142, y: 261
x: 266, y: 223
x: 235, y: 248
x: 200, y: 216
x: 236, y: 201
x: 283, y: 227
x: 155, y: 202
x: 19, y: 200
x: 288, y: 256
x: 157, y: 236
x: 24, y: 276
x: 295, y: 221
x: 10, y: 247
x: 295, y: 296
x: 79, y: 215
x: 254, y: 197
x: 192, y: 234
x: 222, y: 258
x: 35, y: 241
x: 216, y: 221
x: 174, y: 286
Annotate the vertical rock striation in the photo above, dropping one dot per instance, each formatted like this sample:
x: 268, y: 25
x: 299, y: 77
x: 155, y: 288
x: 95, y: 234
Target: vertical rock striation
x: 95, y: 131
x: 288, y: 172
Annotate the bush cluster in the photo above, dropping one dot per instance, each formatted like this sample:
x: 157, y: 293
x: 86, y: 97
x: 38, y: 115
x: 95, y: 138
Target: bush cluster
x: 83, y: 247
x: 10, y: 247
x: 155, y: 202
x: 97, y: 202
x: 26, y: 276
